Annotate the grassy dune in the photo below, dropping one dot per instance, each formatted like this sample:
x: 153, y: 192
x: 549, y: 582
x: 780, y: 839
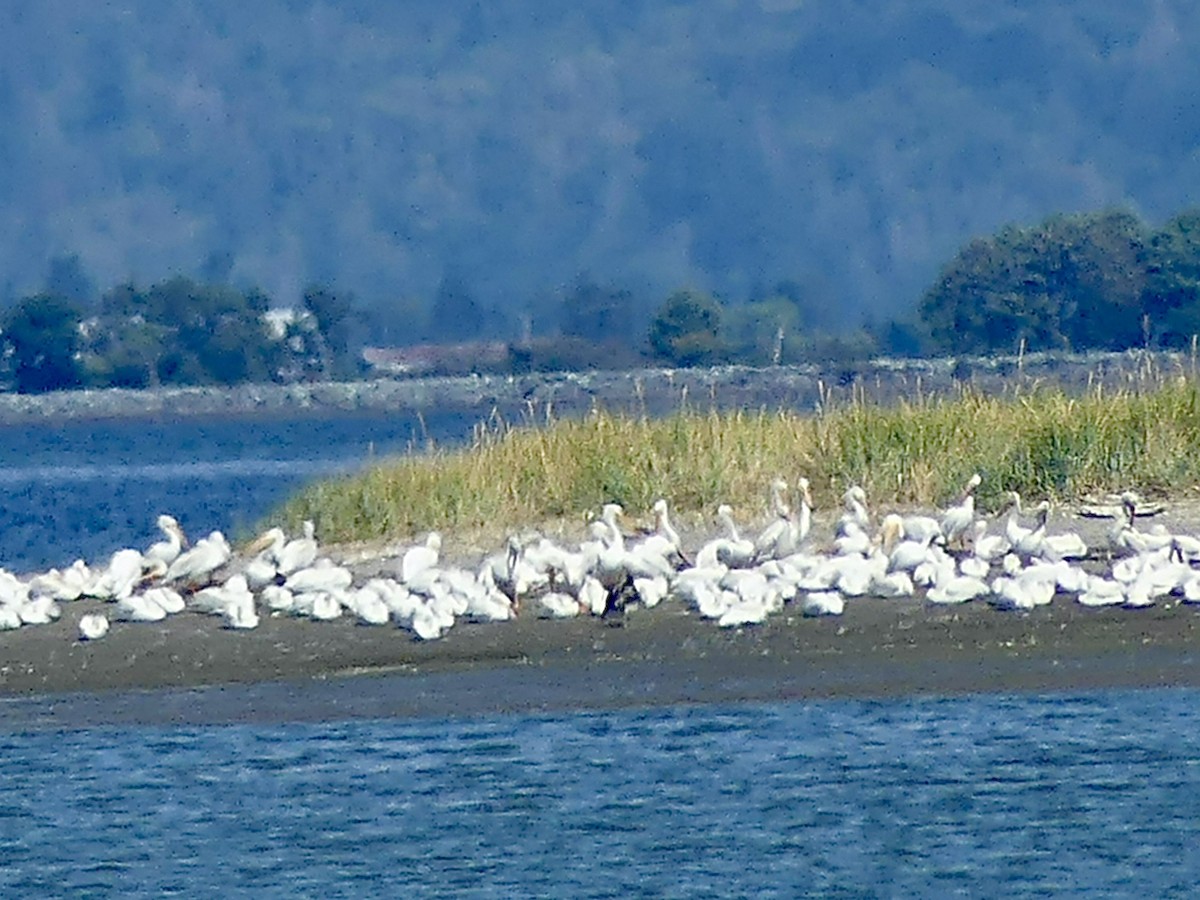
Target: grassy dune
x: 1039, y: 441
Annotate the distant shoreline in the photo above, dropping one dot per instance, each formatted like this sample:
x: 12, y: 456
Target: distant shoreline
x: 652, y: 390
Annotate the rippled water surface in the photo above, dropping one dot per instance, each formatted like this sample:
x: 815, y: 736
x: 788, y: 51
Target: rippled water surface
x: 973, y: 796
x: 85, y: 489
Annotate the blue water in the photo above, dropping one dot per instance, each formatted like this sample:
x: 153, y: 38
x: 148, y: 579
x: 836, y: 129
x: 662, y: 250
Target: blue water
x: 83, y: 490
x: 972, y: 796
x: 976, y: 796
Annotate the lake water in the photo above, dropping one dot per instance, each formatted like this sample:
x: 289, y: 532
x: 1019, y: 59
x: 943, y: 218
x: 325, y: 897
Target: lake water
x: 972, y: 796
x: 86, y: 489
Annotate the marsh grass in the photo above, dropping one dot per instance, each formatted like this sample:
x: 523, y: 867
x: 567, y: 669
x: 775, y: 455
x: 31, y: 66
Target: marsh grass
x: 1039, y: 441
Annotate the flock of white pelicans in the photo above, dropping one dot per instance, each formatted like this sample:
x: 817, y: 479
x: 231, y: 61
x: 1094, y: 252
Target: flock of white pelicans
x: 735, y: 580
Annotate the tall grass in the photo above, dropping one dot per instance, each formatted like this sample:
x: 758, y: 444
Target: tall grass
x: 1042, y: 443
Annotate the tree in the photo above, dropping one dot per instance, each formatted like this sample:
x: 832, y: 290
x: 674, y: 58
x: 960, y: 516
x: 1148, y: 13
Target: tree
x: 1070, y: 282
x: 1172, y: 296
x: 42, y: 335
x: 685, y: 329
x: 333, y: 311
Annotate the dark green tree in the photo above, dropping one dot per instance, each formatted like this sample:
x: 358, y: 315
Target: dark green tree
x: 42, y: 337
x: 1071, y: 282
x: 685, y: 330
x: 1172, y: 295
x: 334, y: 311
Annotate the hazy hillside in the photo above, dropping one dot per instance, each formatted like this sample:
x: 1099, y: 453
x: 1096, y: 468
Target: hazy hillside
x: 848, y: 146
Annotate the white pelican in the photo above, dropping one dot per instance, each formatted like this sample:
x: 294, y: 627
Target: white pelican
x: 241, y: 614
x: 957, y: 519
x: 368, y: 606
x: 988, y: 547
x: 732, y: 550
x: 10, y: 617
x: 664, y: 540
x: 322, y: 575
x: 1102, y: 591
x: 92, y: 627
x: 823, y: 603
x: 119, y: 578
x: 196, y: 565
x: 958, y: 589
x: 217, y: 599
x: 168, y: 598
x: 918, y: 527
x: 69, y: 584
x: 1014, y: 531
x: 559, y: 605
x: 39, y: 611
x: 298, y: 553
x: 139, y: 608
x: 166, y: 551
x: 277, y: 598
x: 421, y: 557
x: 903, y: 555
x: 1064, y: 545
x: 854, y: 519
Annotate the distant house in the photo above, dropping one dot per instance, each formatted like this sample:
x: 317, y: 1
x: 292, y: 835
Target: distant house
x: 431, y: 359
x: 278, y: 319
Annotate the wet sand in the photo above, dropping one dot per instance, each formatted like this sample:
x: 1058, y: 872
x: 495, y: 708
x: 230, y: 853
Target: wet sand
x: 290, y: 669
x: 300, y: 670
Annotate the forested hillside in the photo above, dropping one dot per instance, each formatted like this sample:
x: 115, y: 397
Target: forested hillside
x: 402, y: 151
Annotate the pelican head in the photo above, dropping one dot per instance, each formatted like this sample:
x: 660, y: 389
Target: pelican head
x: 805, y: 492
x: 170, y: 525
x: 891, y: 531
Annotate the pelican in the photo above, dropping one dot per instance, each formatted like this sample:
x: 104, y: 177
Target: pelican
x: 732, y: 550
x: 168, y: 598
x: 69, y: 584
x: 39, y: 611
x: 92, y: 627
x: 298, y: 553
x: 421, y: 557
x: 780, y: 529
x: 278, y: 598
x: 823, y: 603
x: 240, y: 614
x: 957, y: 519
x: 854, y: 518
x: 217, y: 599
x: 167, y: 550
x: 665, y: 540
x: 119, y: 578
x: 196, y: 565
x: 139, y: 608
x: 368, y: 606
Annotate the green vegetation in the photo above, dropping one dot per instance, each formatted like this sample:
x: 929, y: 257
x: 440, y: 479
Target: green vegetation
x: 1070, y: 283
x: 1042, y: 443
x: 178, y: 332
